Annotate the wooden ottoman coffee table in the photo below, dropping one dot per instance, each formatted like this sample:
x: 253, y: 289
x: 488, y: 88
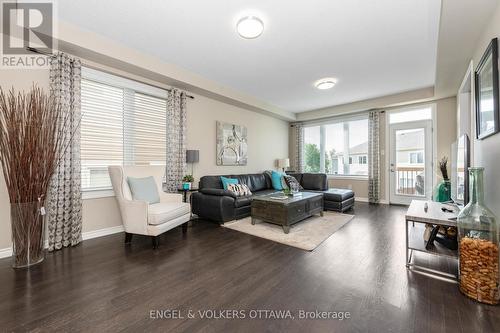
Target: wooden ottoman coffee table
x: 286, y: 212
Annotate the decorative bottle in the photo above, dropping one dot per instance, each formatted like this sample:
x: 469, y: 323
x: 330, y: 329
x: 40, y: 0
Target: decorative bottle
x: 479, y: 242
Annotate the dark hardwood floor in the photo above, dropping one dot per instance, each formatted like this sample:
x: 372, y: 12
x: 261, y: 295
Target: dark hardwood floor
x: 103, y: 285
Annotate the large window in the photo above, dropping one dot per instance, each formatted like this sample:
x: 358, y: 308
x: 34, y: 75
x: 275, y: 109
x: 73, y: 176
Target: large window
x: 339, y: 148
x: 123, y: 123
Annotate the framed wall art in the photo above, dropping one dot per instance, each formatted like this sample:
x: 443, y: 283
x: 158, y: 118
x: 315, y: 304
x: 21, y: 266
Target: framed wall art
x: 487, y: 93
x: 231, y: 144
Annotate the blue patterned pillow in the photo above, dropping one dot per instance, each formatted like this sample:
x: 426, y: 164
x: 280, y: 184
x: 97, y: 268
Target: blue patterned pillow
x: 226, y: 181
x: 276, y: 179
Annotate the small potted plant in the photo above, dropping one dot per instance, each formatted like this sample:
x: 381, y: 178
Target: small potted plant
x: 187, y: 182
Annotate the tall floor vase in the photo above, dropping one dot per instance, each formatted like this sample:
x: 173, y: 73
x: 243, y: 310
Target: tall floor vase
x: 28, y: 234
x: 479, y: 236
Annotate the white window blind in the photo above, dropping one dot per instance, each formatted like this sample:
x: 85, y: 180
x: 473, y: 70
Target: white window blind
x: 123, y: 123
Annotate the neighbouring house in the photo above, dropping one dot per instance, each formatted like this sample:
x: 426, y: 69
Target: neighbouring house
x: 357, y: 163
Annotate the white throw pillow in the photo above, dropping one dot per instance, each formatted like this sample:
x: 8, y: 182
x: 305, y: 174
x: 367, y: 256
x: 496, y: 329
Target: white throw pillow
x: 239, y: 189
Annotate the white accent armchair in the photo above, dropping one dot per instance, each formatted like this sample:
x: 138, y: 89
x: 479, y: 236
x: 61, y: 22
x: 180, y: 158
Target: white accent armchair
x: 140, y: 217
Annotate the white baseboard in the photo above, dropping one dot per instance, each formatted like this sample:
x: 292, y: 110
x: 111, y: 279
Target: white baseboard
x: 360, y: 199
x: 102, y: 232
x: 7, y: 252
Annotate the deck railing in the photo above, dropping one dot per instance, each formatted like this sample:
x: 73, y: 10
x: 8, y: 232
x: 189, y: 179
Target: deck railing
x: 410, y: 180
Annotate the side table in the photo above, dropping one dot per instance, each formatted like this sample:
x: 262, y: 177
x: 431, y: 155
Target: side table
x: 414, y: 242
x: 185, y: 192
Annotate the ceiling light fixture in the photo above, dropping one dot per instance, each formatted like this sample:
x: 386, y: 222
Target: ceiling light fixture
x: 326, y: 83
x: 250, y: 27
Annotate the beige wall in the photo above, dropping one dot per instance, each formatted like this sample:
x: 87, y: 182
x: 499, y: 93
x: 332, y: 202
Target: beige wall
x: 267, y: 137
x: 446, y: 129
x: 267, y: 141
x: 446, y: 135
x: 487, y: 151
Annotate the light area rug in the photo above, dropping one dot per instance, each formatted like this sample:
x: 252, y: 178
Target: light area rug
x: 306, y: 235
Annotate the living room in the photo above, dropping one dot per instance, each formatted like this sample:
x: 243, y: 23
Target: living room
x: 240, y: 167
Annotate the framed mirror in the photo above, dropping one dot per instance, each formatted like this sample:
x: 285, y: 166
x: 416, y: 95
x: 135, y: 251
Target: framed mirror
x: 487, y: 92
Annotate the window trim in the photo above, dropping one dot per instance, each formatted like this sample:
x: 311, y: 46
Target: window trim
x: 410, y: 108
x: 93, y: 193
x: 347, y: 177
x: 120, y: 82
x: 336, y: 120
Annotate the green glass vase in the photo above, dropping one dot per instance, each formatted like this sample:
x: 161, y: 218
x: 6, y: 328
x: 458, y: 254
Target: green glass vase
x: 443, y: 191
x: 478, y: 250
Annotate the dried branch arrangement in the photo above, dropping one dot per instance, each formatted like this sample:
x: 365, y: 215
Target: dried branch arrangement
x: 32, y: 139
x: 443, y: 166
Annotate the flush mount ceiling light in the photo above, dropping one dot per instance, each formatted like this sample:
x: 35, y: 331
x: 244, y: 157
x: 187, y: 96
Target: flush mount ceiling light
x: 326, y: 83
x: 250, y: 27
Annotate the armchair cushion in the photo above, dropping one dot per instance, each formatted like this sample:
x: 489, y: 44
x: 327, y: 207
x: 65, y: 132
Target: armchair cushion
x: 144, y: 189
x: 162, y: 212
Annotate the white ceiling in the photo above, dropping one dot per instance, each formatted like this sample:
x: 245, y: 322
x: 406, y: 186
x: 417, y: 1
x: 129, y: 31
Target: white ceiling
x: 373, y: 48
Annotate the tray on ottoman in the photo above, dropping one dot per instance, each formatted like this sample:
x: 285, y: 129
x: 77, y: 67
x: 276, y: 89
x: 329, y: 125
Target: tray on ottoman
x: 288, y: 211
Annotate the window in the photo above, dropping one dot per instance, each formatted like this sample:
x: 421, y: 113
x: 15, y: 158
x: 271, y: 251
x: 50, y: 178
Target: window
x: 422, y: 113
x: 123, y: 123
x: 417, y: 157
x: 328, y: 146
x: 312, y: 149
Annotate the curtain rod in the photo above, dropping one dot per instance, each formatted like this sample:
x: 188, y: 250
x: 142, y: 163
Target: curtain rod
x: 32, y: 49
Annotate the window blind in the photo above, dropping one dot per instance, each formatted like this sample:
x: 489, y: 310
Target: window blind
x: 120, y: 126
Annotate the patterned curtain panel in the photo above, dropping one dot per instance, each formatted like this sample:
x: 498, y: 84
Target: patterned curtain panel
x: 373, y: 157
x: 176, y: 139
x: 298, y: 159
x: 64, y: 220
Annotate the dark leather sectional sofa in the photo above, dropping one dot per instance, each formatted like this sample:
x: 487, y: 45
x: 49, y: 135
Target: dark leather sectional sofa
x: 214, y: 203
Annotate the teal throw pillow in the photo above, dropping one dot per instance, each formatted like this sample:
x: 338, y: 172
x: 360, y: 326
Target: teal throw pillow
x: 276, y: 180
x: 226, y: 181
x: 144, y: 189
